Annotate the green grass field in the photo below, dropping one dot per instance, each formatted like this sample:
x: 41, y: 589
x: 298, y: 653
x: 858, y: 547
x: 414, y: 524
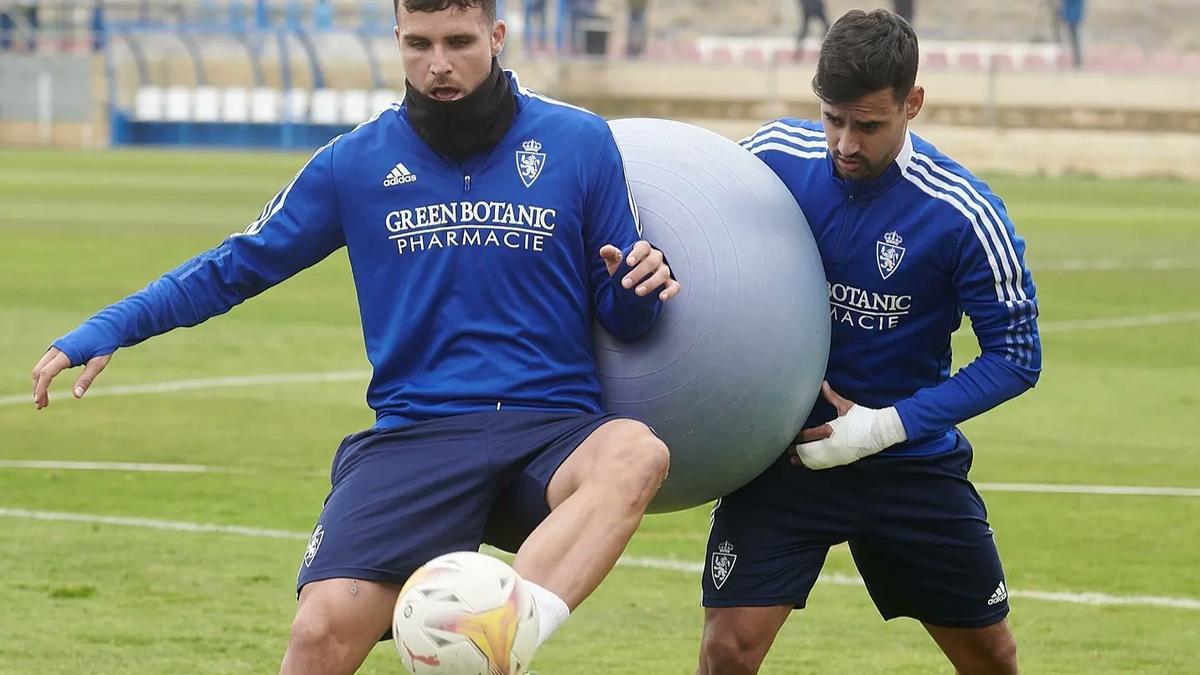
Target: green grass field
x: 1117, y: 405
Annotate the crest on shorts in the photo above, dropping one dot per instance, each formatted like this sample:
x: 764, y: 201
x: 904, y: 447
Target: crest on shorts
x: 314, y: 543
x: 889, y: 253
x: 530, y: 162
x: 723, y: 560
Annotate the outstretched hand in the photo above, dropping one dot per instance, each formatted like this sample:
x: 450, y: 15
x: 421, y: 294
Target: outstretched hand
x: 54, y: 362
x: 648, y: 270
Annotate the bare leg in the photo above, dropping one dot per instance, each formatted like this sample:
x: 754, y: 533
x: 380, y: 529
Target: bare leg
x: 978, y: 651
x: 338, y: 622
x: 597, y: 499
x: 736, y: 639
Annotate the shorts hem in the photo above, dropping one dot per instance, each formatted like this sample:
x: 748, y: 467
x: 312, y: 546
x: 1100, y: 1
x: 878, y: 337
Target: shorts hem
x: 721, y: 603
x: 359, y: 573
x: 980, y: 622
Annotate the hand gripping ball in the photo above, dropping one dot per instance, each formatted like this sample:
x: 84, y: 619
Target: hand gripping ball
x: 729, y: 374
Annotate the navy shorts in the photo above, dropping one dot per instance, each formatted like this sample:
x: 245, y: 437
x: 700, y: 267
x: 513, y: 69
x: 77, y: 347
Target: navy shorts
x: 917, y: 530
x: 401, y: 497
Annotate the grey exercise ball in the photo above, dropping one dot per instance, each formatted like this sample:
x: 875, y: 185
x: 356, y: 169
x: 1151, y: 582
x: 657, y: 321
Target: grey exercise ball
x: 729, y: 374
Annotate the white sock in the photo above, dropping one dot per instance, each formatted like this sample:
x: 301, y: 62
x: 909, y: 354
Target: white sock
x: 550, y: 608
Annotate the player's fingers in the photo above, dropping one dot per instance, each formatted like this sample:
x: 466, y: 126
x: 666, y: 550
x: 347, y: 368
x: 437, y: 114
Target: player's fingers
x: 41, y: 396
x: 815, y: 433
x: 843, y: 406
x: 41, y: 390
x: 610, y: 252
x: 672, y: 289
x: 818, y: 455
x: 37, y: 369
x: 813, y: 455
x: 661, y: 276
x: 612, y: 258
x: 639, y: 253
x: 90, y: 371
x: 648, y: 266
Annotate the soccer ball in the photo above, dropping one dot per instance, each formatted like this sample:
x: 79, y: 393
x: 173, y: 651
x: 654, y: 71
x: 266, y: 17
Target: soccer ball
x: 465, y: 613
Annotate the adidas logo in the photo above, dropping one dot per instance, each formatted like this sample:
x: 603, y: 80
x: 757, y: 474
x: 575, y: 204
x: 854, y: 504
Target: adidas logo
x: 399, y: 175
x: 999, y: 595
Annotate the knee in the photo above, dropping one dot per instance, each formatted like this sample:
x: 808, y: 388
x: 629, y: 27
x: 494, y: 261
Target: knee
x: 1002, y: 654
x: 997, y: 653
x: 313, y: 639
x: 728, y: 656
x: 649, y: 458
x: 638, y: 461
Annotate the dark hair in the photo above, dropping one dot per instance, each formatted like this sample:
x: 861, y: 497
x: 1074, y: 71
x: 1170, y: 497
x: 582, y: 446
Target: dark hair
x: 863, y: 53
x: 488, y: 6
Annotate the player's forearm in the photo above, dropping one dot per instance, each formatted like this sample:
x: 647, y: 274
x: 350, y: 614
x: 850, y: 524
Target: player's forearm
x: 978, y: 387
x: 196, y: 291
x: 623, y: 313
x: 155, y: 309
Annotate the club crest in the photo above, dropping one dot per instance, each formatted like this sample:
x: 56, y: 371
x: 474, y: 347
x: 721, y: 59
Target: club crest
x: 889, y: 253
x: 723, y: 561
x: 530, y: 162
x: 314, y: 543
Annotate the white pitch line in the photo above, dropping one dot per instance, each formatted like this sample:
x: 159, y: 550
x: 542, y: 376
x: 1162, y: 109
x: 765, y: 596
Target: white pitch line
x: 136, y: 467
x: 1115, y: 265
x: 209, y: 383
x: 1109, y: 323
x: 666, y: 564
x: 1050, y: 488
x: 150, y: 523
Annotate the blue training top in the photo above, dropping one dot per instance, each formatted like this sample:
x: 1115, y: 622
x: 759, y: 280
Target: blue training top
x: 478, y: 281
x: 906, y: 255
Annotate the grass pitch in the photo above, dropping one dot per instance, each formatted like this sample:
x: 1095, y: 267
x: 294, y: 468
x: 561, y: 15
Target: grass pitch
x: 1117, y: 405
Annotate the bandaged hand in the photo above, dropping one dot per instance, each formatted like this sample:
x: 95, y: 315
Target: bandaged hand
x: 856, y: 433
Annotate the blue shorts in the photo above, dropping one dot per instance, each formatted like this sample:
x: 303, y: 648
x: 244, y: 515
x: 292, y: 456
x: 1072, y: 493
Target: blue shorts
x: 401, y: 497
x: 917, y: 530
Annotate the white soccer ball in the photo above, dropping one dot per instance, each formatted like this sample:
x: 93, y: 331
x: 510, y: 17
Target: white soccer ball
x: 465, y: 613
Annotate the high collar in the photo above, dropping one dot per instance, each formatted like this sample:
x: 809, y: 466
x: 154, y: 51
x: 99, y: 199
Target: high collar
x: 470, y: 125
x: 866, y: 189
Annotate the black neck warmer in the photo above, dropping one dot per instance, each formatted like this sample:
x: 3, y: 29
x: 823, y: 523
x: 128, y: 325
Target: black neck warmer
x: 468, y: 125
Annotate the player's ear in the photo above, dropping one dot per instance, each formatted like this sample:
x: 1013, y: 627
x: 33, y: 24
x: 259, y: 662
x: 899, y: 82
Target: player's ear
x: 914, y: 101
x: 499, y: 31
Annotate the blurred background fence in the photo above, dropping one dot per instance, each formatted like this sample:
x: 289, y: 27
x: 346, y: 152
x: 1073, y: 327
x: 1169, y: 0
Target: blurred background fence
x: 1026, y: 86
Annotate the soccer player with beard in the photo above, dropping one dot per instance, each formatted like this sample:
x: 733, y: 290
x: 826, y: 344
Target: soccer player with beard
x: 486, y: 227
x: 910, y: 241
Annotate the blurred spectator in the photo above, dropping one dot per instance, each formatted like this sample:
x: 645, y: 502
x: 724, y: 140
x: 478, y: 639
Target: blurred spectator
x: 809, y: 10
x: 535, y: 13
x: 905, y: 9
x: 99, y: 31
x: 30, y: 10
x: 17, y: 20
x: 1072, y: 16
x: 6, y: 30
x: 635, y: 42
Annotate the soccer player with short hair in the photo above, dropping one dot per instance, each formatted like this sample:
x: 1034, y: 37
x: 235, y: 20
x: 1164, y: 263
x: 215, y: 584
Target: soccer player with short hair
x: 487, y: 227
x: 910, y: 241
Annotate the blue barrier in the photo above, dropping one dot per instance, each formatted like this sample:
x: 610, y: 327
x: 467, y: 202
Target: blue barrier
x: 284, y: 136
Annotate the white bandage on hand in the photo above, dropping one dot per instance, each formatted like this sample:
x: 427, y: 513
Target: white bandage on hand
x: 859, y: 433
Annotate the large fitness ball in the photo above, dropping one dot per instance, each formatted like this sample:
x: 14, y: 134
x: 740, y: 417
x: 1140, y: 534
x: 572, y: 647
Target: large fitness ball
x: 731, y: 371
